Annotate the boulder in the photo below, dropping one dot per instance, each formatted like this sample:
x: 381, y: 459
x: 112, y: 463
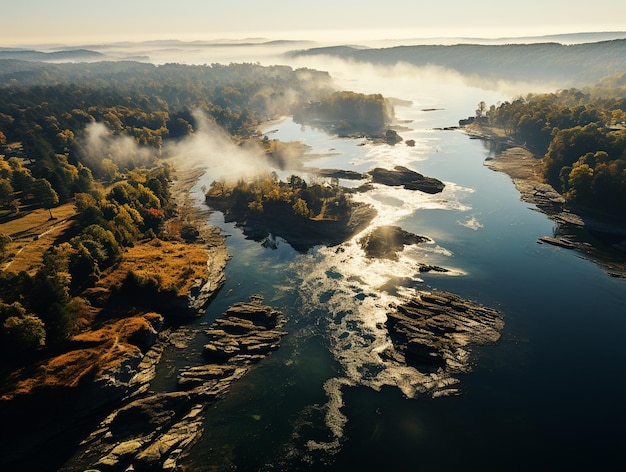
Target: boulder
x: 392, y: 137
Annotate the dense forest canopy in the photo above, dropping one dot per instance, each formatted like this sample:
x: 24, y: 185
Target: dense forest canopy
x: 582, y: 136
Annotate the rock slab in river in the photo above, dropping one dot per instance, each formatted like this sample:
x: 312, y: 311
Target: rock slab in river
x: 432, y: 331
x: 409, y: 179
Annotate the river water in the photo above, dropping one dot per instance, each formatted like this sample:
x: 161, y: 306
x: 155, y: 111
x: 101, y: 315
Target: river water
x: 549, y: 395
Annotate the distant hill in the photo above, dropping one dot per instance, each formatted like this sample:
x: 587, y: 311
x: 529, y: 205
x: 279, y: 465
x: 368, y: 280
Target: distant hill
x: 570, y: 65
x: 70, y: 55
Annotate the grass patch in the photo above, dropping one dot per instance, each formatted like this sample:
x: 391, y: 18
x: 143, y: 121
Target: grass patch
x: 175, y: 264
x: 32, y: 233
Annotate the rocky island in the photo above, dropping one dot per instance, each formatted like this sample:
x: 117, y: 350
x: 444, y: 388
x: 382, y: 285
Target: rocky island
x: 434, y: 330
x: 386, y: 241
x: 305, y: 215
x: 407, y: 178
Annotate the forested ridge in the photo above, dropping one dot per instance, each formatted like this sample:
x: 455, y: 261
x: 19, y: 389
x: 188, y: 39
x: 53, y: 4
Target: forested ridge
x: 46, y: 113
x: 564, y: 64
x: 581, y: 135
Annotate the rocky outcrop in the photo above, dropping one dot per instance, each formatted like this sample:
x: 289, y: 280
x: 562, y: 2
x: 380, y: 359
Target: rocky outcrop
x: 432, y: 331
x: 340, y: 174
x: 151, y: 432
x: 300, y: 232
x: 246, y: 331
x: 386, y: 241
x: 411, y: 180
x: 392, y: 137
x: 561, y: 242
x: 431, y: 268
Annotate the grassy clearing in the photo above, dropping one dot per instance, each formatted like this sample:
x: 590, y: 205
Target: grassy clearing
x: 33, y: 232
x: 174, y: 263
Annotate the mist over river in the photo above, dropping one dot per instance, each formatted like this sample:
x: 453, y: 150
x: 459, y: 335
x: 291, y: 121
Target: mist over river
x: 549, y: 395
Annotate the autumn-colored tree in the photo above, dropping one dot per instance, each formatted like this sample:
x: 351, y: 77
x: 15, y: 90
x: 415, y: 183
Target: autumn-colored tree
x: 44, y: 193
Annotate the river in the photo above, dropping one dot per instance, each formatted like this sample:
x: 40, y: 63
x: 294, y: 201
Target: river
x: 549, y: 395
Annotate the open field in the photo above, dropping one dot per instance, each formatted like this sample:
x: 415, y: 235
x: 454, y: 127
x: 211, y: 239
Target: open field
x: 32, y: 233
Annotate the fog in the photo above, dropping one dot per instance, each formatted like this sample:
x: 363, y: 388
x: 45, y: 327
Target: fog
x: 428, y: 87
x: 209, y: 147
x: 212, y: 148
x: 100, y: 143
x: 268, y: 52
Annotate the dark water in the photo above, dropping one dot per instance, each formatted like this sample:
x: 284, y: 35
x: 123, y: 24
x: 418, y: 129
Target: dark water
x: 548, y: 396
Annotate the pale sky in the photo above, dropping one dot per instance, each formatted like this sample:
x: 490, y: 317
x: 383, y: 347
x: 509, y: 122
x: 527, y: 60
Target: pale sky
x: 82, y: 22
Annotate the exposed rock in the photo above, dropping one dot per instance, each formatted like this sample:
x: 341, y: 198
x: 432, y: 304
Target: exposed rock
x: 392, y: 137
x: 386, y: 241
x: 152, y: 432
x: 561, y: 242
x: 245, y: 328
x: 203, y: 291
x: 432, y: 268
x: 409, y: 179
x: 340, y: 174
x: 433, y: 330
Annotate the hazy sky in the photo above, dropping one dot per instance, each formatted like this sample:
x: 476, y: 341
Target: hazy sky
x: 80, y: 21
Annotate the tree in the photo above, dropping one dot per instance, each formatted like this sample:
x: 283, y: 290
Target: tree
x: 20, y: 331
x: 5, y: 239
x: 300, y: 208
x: 25, y: 333
x: 6, y: 192
x: 580, y: 179
x: 480, y: 111
x: 44, y: 193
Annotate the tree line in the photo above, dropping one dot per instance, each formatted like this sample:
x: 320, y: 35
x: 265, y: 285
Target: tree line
x: 581, y: 135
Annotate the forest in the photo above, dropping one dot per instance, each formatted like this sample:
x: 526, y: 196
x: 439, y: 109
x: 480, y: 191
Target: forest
x: 121, y: 197
x: 581, y: 135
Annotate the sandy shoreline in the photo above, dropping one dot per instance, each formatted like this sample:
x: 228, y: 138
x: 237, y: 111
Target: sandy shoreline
x: 575, y: 229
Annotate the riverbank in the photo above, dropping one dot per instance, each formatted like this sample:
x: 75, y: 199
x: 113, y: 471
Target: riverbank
x: 114, y: 356
x: 595, y: 239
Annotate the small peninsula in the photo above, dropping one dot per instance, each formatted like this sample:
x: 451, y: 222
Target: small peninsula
x: 577, y: 229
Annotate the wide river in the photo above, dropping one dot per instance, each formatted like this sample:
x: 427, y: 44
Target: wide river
x: 549, y: 395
